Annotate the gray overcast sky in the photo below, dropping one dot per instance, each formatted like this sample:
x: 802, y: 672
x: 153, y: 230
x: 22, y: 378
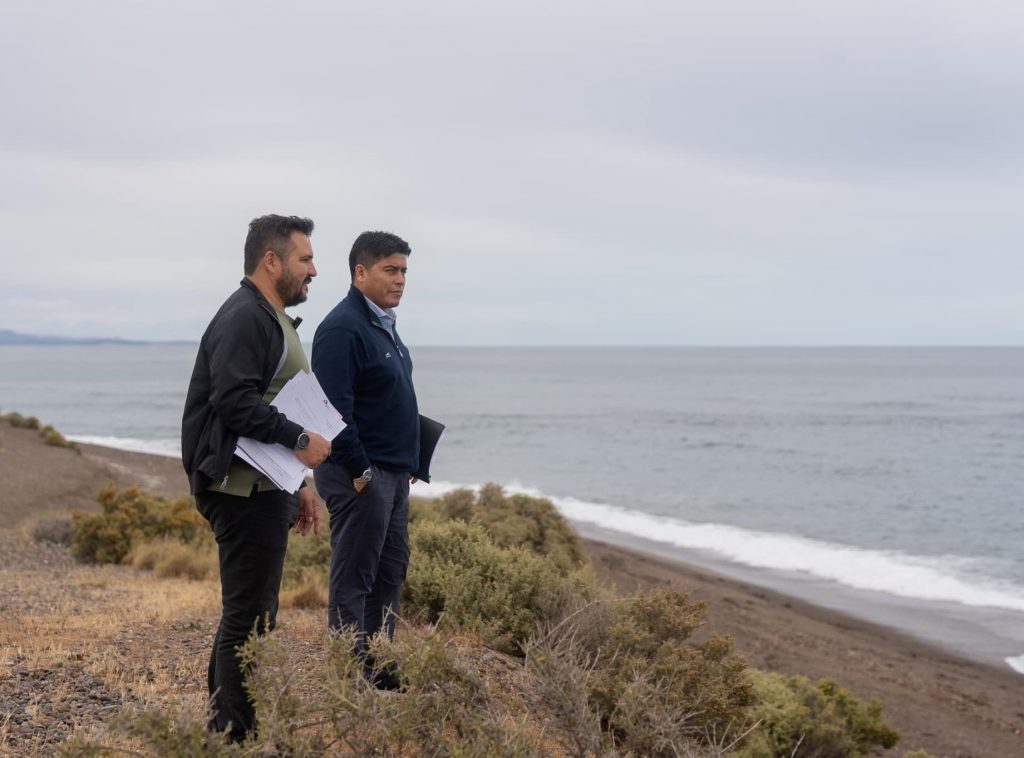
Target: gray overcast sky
x: 696, y: 173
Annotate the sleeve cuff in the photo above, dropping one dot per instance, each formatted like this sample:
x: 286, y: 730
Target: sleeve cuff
x: 290, y: 434
x: 358, y: 466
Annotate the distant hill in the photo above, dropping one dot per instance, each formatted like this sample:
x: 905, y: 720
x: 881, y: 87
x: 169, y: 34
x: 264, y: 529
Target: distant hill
x: 9, y: 337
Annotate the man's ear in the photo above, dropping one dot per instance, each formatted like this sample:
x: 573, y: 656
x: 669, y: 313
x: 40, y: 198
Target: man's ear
x: 271, y: 262
x: 360, y: 273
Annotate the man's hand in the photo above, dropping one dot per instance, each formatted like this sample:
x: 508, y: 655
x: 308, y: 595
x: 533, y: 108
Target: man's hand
x: 309, y: 513
x: 316, y: 451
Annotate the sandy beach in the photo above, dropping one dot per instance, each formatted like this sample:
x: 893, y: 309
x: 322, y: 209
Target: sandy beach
x: 948, y: 705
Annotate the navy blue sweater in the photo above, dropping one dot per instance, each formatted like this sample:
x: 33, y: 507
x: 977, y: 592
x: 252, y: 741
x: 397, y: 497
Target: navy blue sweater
x: 367, y: 376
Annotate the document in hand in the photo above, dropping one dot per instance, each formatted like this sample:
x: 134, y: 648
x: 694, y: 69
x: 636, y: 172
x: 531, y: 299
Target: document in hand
x: 303, y: 401
x: 430, y: 435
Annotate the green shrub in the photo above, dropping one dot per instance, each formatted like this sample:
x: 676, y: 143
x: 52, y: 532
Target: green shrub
x: 171, y: 538
x: 531, y: 523
x: 55, y: 439
x: 459, y: 578
x: 446, y: 708
x: 822, y: 718
x: 651, y: 681
x: 612, y: 677
x: 627, y: 673
x: 21, y: 422
x: 129, y: 517
x: 50, y: 435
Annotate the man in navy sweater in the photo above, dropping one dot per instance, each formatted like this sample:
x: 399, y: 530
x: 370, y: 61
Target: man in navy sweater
x: 366, y: 372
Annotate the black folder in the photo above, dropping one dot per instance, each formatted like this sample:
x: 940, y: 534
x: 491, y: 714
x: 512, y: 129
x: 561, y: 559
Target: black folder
x: 430, y: 435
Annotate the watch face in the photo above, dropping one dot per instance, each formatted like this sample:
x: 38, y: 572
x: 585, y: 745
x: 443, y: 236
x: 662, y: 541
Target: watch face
x: 302, y: 442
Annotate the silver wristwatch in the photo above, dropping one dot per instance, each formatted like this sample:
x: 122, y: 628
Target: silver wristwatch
x: 365, y: 477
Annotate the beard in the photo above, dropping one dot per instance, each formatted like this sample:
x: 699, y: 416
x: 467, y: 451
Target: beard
x: 289, y: 289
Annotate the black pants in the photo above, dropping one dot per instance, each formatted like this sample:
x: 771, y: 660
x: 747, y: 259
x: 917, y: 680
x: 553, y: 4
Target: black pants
x: 252, y: 536
x: 369, y: 549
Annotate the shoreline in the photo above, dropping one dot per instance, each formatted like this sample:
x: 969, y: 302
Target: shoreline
x: 989, y: 636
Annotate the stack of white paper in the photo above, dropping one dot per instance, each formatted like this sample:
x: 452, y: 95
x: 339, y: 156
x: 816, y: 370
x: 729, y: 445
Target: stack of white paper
x: 303, y: 401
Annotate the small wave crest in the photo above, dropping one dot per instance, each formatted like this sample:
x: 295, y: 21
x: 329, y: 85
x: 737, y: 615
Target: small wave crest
x: 932, y: 578
x: 170, y: 448
x: 1016, y: 663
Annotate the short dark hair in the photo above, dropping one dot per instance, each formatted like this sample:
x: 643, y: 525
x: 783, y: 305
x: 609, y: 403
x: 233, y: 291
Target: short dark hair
x: 370, y: 247
x: 272, y: 232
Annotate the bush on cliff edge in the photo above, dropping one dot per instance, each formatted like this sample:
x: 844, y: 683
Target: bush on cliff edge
x: 617, y: 677
x: 50, y: 435
x: 531, y: 523
x: 822, y: 718
x: 129, y: 517
x: 460, y: 579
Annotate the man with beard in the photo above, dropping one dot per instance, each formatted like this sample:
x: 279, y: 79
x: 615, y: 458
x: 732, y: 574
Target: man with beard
x: 248, y: 352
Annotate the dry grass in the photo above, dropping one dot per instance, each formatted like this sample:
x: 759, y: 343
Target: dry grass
x: 74, y: 631
x: 100, y: 611
x: 170, y: 558
x: 142, y: 642
x: 310, y: 592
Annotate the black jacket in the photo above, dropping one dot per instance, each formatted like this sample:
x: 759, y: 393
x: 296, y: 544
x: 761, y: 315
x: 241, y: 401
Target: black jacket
x: 367, y: 375
x: 240, y: 353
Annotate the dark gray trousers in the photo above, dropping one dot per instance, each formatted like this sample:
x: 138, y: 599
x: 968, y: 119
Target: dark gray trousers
x: 369, y: 549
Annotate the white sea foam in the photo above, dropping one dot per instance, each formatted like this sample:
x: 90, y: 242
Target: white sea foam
x: 1017, y: 663
x: 918, y: 577
x: 167, y: 447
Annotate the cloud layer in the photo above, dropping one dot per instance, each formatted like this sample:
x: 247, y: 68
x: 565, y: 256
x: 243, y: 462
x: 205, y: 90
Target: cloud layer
x: 567, y: 173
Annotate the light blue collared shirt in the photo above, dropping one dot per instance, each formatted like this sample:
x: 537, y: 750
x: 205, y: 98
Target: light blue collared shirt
x: 387, y: 317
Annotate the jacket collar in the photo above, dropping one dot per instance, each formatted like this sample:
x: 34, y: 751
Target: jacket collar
x: 247, y: 283
x: 359, y: 301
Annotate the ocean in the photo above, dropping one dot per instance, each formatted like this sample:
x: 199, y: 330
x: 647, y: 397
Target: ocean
x: 885, y: 482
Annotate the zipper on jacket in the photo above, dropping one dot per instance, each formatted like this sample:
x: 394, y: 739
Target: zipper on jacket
x: 390, y: 336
